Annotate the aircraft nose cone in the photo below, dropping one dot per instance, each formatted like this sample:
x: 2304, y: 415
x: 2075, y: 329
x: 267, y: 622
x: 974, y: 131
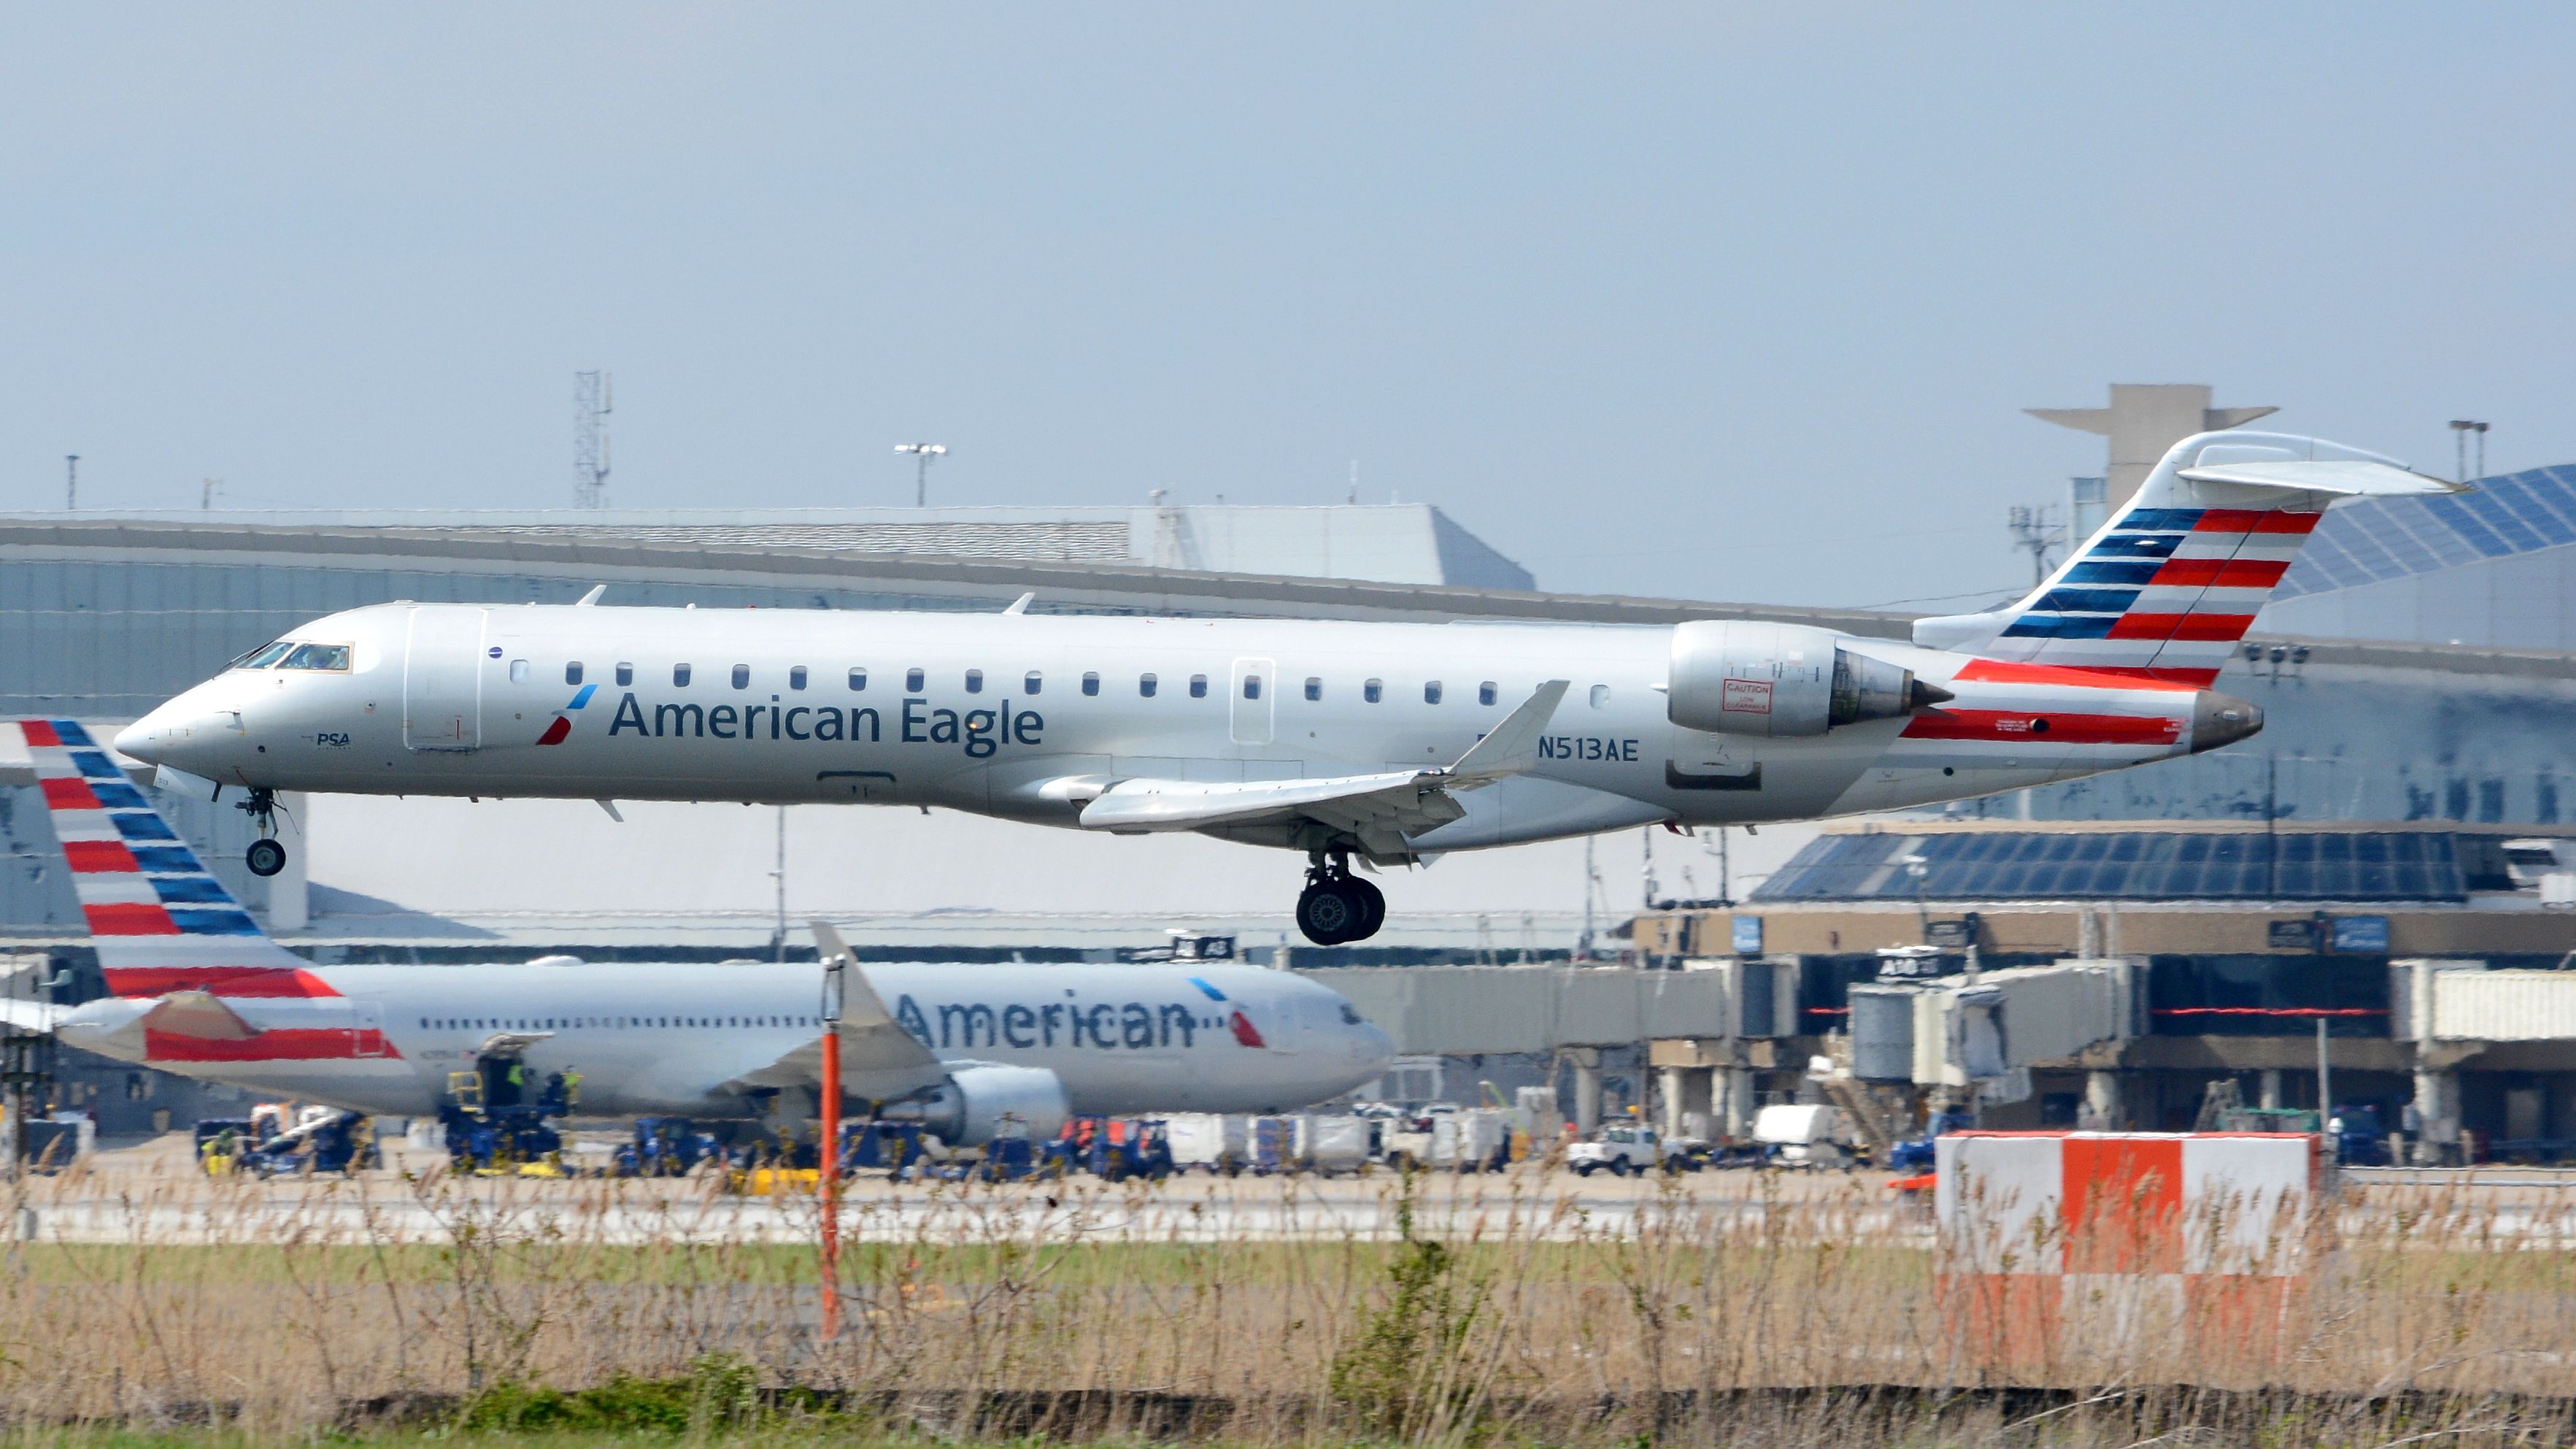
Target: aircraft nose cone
x: 141, y: 740
x: 2221, y: 719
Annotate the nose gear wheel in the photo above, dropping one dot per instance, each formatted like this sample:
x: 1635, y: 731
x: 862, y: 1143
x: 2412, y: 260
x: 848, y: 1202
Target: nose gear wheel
x: 266, y: 855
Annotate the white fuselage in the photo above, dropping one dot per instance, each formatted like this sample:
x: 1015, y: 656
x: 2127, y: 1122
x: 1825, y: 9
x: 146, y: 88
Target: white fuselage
x: 654, y: 1038
x: 990, y: 713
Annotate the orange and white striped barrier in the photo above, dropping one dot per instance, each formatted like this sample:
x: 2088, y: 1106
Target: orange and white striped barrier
x: 2055, y: 1242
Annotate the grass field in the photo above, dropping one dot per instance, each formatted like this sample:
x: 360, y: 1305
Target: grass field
x: 1731, y: 1308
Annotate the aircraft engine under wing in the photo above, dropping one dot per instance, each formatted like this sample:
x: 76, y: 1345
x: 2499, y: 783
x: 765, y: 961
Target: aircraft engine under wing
x: 880, y: 1061
x: 1380, y: 809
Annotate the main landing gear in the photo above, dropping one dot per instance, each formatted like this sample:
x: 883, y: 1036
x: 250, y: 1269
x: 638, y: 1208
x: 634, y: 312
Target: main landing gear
x: 1338, y: 907
x: 267, y: 855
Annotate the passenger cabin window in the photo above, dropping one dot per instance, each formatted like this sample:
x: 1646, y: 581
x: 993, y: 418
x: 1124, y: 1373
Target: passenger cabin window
x: 912, y: 681
x: 858, y: 680
x: 316, y: 656
x: 1373, y: 691
x: 679, y: 676
x: 1485, y: 692
x: 974, y: 681
x: 1600, y: 696
x: 1198, y: 686
x: 518, y: 671
x: 1431, y: 692
x: 1031, y: 684
x: 572, y: 672
x: 742, y: 676
x: 796, y: 677
x: 1252, y: 686
x: 1145, y: 685
x: 1314, y: 687
x: 625, y: 674
x: 1091, y: 684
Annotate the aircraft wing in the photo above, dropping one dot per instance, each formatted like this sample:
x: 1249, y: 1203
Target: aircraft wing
x: 1380, y: 808
x: 880, y: 1061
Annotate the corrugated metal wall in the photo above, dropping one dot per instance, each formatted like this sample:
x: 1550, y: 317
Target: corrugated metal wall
x: 1458, y: 1010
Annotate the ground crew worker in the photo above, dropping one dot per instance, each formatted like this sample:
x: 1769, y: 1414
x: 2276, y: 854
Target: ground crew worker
x: 572, y: 1086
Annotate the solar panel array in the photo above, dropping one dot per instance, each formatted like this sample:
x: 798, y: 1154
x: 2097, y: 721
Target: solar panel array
x: 2124, y: 865
x: 2395, y: 538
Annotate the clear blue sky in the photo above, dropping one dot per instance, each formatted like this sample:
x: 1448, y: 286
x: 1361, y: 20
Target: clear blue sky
x: 1674, y: 300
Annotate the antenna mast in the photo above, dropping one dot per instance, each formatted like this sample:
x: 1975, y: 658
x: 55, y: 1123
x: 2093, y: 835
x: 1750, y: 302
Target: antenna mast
x: 592, y: 401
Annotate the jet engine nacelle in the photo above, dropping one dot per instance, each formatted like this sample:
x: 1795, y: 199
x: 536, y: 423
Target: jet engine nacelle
x: 972, y: 1107
x: 1743, y: 677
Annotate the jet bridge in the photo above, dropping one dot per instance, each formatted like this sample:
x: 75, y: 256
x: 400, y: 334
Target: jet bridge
x: 1983, y: 1033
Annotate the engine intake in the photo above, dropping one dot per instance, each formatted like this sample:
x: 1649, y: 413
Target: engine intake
x: 973, y: 1106
x: 1741, y: 677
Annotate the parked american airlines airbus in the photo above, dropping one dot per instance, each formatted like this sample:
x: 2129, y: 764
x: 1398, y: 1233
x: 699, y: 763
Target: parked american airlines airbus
x: 1390, y: 742
x: 197, y: 989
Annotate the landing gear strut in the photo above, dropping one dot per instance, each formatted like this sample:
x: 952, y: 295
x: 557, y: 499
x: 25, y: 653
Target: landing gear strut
x: 1338, y: 907
x: 267, y: 855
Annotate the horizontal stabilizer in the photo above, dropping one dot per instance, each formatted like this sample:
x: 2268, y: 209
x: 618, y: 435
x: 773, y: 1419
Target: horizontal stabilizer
x: 2342, y: 477
x: 198, y: 1014
x: 31, y: 1016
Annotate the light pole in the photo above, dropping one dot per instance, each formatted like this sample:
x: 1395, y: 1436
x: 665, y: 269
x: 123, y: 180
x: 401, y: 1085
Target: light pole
x: 925, y: 452
x: 2461, y: 428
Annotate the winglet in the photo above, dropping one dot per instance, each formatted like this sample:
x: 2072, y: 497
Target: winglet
x: 1511, y: 748
x: 591, y: 598
x: 1021, y: 604
x: 861, y: 1010
x: 883, y: 1062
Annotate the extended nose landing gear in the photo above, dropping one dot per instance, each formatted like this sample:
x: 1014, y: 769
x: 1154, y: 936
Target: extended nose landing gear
x: 1338, y: 907
x: 267, y: 855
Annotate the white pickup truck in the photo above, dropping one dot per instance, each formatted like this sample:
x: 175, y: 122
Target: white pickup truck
x: 1623, y: 1150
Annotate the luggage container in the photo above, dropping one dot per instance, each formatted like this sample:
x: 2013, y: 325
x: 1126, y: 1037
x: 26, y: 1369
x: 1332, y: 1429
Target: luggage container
x: 1479, y: 1140
x: 1210, y: 1142
x: 1331, y: 1143
x: 1267, y: 1144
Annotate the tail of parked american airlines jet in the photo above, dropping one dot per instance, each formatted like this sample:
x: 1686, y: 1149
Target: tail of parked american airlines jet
x: 159, y: 919
x: 2172, y: 583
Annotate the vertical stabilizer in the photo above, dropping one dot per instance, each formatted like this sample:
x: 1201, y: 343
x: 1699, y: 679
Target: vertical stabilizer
x: 159, y: 919
x: 2173, y: 581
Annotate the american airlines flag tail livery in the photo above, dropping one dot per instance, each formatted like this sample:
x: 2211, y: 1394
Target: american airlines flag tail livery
x: 196, y: 988
x: 1388, y: 743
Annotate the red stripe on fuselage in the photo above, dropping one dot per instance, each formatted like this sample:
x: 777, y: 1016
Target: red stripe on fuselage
x: 39, y: 732
x: 2077, y: 676
x: 243, y: 981
x: 70, y: 793
x: 286, y: 1044
x: 2025, y: 727
x: 2222, y: 628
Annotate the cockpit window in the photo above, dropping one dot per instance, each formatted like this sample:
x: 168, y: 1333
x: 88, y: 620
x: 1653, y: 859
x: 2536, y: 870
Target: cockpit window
x: 1350, y: 1014
x: 263, y: 656
x: 316, y: 656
